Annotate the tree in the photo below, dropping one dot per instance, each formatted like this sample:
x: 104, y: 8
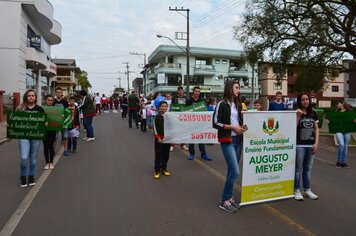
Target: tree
x: 83, y: 80
x: 306, y: 33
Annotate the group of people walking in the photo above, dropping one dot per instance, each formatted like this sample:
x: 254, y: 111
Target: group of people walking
x: 29, y: 148
x: 227, y: 119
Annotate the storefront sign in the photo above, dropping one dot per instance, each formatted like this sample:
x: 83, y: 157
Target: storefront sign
x: 268, y: 156
x: 26, y: 125
x: 189, y: 127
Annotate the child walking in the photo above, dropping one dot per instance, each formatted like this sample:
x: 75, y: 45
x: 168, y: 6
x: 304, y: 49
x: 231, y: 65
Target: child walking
x: 143, y: 113
x: 74, y: 131
x: 48, y: 142
x: 161, y: 149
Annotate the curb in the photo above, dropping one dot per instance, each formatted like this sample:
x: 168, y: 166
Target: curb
x: 4, y: 140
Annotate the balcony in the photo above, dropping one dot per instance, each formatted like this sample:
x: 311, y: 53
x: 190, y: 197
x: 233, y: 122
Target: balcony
x: 70, y: 80
x: 204, y: 70
x: 235, y: 71
x: 169, y: 68
x: 35, y: 59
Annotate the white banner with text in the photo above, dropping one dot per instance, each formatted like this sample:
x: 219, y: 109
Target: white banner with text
x: 189, y: 127
x: 269, y: 148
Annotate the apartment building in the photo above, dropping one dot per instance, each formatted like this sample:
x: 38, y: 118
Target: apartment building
x: 209, y: 69
x: 267, y: 74
x: 66, y: 76
x: 28, y: 32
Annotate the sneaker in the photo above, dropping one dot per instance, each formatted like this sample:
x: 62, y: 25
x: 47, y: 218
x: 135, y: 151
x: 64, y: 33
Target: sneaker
x: 84, y: 139
x: 338, y: 165
x: 227, y: 206
x: 234, y: 204
x: 298, y: 195
x: 185, y: 148
x: 90, y: 139
x: 344, y: 165
x: 46, y: 167
x: 166, y: 173
x: 191, y: 157
x: 156, y: 175
x: 66, y: 153
x: 206, y: 157
x: 309, y: 194
x: 23, y: 181
x: 51, y: 166
x: 74, y: 151
x: 31, y: 180
x: 171, y: 149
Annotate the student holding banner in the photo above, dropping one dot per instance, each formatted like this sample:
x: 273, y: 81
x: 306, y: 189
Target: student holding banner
x: 343, y: 139
x: 194, y: 99
x: 307, y: 145
x: 29, y: 147
x: 227, y: 119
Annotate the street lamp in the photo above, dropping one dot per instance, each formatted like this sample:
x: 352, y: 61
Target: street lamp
x: 186, y: 51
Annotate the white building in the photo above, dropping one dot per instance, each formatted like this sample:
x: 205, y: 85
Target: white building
x: 28, y: 31
x: 209, y: 69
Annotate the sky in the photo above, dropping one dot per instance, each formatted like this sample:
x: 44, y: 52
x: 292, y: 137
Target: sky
x: 100, y: 34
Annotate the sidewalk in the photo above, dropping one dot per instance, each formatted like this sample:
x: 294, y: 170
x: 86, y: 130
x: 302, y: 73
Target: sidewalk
x: 3, y: 132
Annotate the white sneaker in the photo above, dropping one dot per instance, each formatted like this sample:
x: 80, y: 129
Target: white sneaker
x: 298, y: 195
x: 309, y: 194
x: 185, y: 148
x: 85, y: 138
x: 171, y: 149
x: 90, y: 139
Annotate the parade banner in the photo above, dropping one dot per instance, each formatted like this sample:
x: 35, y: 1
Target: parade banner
x: 189, y: 127
x: 268, y: 156
x: 198, y: 106
x: 26, y: 125
x: 55, y: 117
x: 341, y: 122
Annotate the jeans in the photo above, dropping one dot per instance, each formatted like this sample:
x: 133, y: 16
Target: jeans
x: 232, y: 153
x: 28, y: 151
x: 88, y: 125
x: 144, y: 125
x: 343, y: 140
x: 303, y: 166
x: 201, y: 149
x: 150, y: 122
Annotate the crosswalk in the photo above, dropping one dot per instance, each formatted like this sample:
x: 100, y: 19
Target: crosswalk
x: 111, y: 111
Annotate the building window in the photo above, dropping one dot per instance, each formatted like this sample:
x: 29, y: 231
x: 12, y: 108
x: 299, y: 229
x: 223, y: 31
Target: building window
x: 224, y: 61
x: 174, y: 80
x: 277, y: 86
x: 217, y: 61
x: 200, y: 62
x: 335, y: 89
x: 197, y: 80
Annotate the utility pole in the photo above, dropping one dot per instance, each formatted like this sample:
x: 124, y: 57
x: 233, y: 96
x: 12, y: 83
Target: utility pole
x: 119, y: 81
x: 144, y: 69
x: 187, y: 82
x: 128, y: 75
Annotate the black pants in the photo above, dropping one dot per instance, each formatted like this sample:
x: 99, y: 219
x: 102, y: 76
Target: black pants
x: 72, y: 143
x: 161, y: 156
x: 133, y: 116
x: 48, y: 146
x: 144, y: 125
x: 124, y: 112
x: 201, y: 149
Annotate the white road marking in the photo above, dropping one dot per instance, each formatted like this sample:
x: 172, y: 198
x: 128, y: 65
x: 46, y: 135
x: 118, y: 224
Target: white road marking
x: 24, y: 205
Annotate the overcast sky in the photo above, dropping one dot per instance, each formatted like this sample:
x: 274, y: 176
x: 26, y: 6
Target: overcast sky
x: 99, y: 34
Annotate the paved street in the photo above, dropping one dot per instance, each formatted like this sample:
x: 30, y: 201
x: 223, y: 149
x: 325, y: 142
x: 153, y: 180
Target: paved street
x: 106, y: 188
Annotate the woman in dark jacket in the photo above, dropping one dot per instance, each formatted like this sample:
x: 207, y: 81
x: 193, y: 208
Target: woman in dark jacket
x: 228, y: 120
x: 89, y: 112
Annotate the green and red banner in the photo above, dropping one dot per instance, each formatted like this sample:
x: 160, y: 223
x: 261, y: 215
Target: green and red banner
x: 55, y: 117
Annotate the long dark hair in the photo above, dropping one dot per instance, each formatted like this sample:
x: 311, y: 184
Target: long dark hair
x: 299, y: 102
x: 24, y: 103
x: 229, y: 94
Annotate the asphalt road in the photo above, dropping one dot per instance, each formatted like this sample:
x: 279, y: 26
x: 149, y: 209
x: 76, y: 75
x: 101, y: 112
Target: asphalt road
x: 106, y: 188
